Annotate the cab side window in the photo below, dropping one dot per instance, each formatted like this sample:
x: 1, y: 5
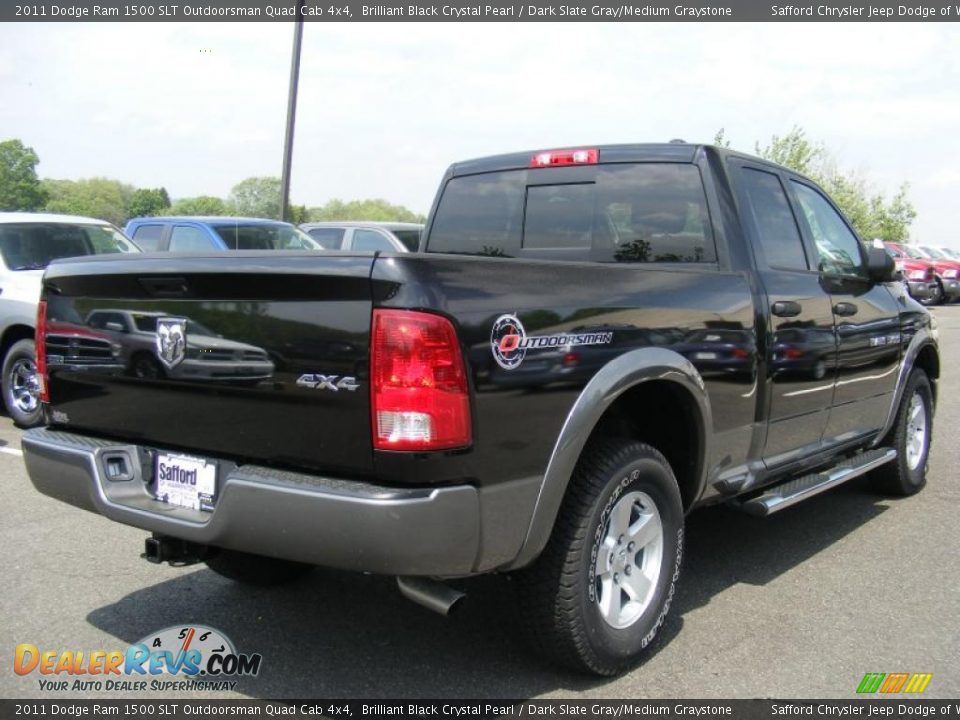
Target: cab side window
x: 779, y: 239
x: 147, y: 237
x: 367, y: 240
x: 189, y: 239
x: 837, y: 246
x: 329, y: 238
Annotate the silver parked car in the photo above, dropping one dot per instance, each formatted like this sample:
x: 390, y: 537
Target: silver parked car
x: 210, y: 357
x: 365, y: 235
x: 28, y: 243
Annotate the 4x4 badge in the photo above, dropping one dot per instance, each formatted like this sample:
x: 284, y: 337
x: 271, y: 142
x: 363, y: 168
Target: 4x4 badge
x: 171, y: 341
x: 336, y: 383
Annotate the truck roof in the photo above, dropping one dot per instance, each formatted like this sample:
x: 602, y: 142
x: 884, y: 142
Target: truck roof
x: 650, y: 152
x: 32, y: 217
x: 384, y: 224
x: 676, y: 151
x: 210, y: 220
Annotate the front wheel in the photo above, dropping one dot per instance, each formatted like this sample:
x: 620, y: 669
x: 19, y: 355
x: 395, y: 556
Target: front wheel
x: 21, y: 388
x: 600, y: 591
x: 936, y: 295
x: 144, y: 366
x: 910, y: 437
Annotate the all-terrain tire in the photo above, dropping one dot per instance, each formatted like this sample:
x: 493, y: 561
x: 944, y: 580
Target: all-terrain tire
x: 563, y: 595
x: 907, y: 475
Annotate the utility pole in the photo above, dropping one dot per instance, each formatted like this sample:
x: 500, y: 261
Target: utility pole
x: 291, y: 114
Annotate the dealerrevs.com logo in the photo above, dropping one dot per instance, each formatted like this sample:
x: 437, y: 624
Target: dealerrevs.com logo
x: 181, y: 657
x: 509, y: 342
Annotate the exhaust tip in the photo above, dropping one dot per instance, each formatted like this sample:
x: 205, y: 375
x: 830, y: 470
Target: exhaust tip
x: 431, y: 594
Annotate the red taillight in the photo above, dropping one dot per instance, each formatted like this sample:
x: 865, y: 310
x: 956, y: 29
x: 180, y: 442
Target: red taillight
x: 418, y: 394
x: 40, y: 349
x: 793, y: 353
x: 554, y: 158
x: 570, y: 359
x: 741, y: 354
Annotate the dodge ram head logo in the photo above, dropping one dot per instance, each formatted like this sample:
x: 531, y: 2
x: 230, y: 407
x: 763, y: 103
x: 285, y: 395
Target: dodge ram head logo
x: 171, y: 341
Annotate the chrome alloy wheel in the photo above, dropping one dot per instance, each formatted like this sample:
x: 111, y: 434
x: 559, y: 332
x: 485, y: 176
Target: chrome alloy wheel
x: 916, y: 431
x: 24, y: 386
x: 629, y: 560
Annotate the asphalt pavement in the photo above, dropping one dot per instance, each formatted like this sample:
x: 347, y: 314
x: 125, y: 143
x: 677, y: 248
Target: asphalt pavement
x: 798, y: 605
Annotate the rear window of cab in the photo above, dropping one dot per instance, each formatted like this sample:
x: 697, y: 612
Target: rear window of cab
x: 618, y: 213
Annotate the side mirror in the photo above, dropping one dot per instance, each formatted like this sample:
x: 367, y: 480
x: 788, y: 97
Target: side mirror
x: 880, y: 266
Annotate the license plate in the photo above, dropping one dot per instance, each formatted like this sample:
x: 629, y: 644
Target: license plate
x: 705, y: 356
x: 186, y: 481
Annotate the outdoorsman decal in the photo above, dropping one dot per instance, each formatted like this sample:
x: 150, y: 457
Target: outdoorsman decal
x: 509, y: 342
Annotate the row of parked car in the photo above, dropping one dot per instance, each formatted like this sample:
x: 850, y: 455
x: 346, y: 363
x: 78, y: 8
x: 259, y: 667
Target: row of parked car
x: 203, y: 234
x: 932, y: 273
x: 31, y: 241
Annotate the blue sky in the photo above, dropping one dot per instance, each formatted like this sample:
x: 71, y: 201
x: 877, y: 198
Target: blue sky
x: 384, y: 108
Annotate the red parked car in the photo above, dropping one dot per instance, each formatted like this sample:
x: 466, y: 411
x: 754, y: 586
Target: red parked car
x: 919, y: 274
x: 947, y: 268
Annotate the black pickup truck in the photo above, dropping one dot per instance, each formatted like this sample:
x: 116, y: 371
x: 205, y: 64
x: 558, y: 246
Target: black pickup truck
x: 590, y: 343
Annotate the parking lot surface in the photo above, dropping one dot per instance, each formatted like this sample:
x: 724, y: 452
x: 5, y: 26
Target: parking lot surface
x: 800, y: 604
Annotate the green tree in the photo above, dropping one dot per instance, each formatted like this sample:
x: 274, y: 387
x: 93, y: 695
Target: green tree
x: 257, y: 197
x: 201, y: 205
x: 870, y: 213
x: 795, y: 151
x: 149, y: 202
x: 20, y: 189
x: 298, y: 214
x: 371, y: 209
x: 98, y: 197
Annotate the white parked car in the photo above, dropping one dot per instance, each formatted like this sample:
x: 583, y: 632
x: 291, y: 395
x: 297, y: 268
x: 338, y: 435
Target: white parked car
x: 28, y: 243
x: 365, y: 235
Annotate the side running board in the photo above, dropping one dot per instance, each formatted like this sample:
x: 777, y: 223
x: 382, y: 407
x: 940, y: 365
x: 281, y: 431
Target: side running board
x: 793, y: 491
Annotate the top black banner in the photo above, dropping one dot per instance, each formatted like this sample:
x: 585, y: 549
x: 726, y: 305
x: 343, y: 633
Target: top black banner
x: 468, y: 11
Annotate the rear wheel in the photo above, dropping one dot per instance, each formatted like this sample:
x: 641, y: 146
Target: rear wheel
x: 600, y: 591
x: 255, y: 569
x: 21, y: 388
x: 911, y: 436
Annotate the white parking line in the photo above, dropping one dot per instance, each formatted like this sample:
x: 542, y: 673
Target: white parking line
x: 11, y: 451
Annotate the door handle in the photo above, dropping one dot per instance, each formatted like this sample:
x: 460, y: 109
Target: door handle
x: 786, y: 308
x: 845, y: 309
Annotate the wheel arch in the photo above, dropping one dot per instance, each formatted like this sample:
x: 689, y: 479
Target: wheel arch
x: 928, y: 360
x: 613, y: 401
x: 923, y: 353
x: 14, y: 334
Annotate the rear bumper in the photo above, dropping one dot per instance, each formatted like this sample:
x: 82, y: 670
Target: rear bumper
x: 951, y: 288
x: 308, y: 518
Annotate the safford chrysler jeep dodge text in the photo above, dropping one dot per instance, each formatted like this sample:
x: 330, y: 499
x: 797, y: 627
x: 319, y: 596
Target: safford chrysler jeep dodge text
x: 590, y: 344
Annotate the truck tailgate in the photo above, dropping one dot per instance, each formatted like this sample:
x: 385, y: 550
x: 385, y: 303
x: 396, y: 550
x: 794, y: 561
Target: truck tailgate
x: 258, y: 357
